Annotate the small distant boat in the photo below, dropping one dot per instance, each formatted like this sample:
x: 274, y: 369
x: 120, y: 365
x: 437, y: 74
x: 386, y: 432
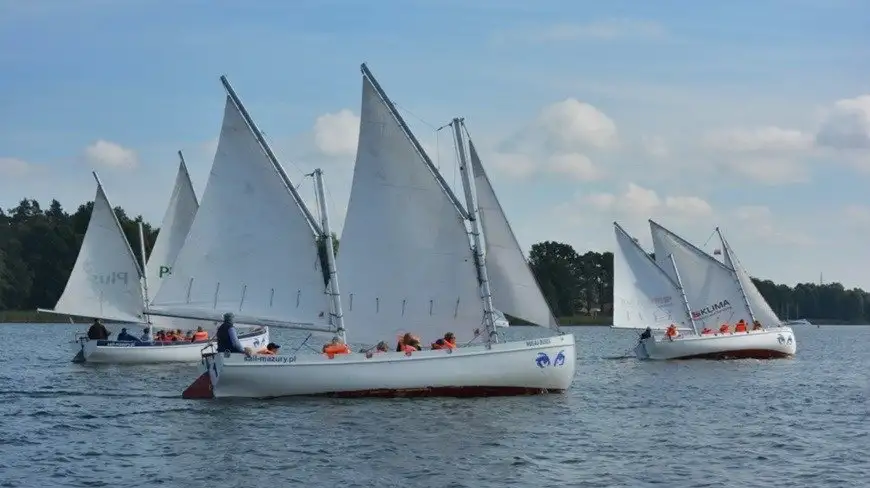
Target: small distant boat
x: 652, y: 294
x: 107, y: 283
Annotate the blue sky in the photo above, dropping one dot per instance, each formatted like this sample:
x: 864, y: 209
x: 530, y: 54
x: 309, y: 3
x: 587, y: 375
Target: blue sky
x: 743, y: 114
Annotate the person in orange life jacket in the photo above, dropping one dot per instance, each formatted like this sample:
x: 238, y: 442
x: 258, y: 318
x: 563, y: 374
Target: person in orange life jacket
x: 671, y: 332
x: 707, y: 331
x: 408, y: 343
x: 271, y: 349
x: 449, y: 341
x: 724, y: 329
x: 127, y: 337
x: 227, y: 339
x: 756, y: 325
x: 335, y: 347
x: 740, y: 326
x: 98, y: 331
x: 200, y: 335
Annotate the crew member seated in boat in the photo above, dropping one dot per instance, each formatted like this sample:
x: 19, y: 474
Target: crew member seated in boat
x: 160, y: 336
x: 382, y: 347
x: 200, y: 335
x: 146, y: 337
x: 127, y: 337
x: 227, y: 339
x: 408, y: 343
x: 98, y: 331
x: 449, y: 341
x: 707, y: 331
x: 671, y: 332
x: 271, y: 349
x: 439, y: 344
x: 740, y: 326
x: 756, y: 325
x: 646, y: 334
x: 724, y: 329
x: 335, y: 347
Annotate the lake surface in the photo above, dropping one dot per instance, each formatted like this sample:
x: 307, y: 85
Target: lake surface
x: 800, y: 422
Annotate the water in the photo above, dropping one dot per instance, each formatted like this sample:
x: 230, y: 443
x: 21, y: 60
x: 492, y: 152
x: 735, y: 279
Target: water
x: 798, y: 422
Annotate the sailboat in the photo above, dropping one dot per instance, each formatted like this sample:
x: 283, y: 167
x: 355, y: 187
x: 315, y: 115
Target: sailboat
x: 106, y: 282
x: 407, y: 266
x: 710, y: 292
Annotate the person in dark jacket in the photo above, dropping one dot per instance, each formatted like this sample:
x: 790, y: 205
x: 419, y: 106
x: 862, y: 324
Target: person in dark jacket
x: 125, y: 336
x: 227, y: 339
x: 98, y: 331
x: 646, y: 334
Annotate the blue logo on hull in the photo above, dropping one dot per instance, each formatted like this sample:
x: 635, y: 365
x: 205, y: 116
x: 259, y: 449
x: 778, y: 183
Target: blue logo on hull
x: 542, y: 360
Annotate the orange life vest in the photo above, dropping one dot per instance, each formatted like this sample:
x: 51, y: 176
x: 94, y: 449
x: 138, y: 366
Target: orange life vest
x: 407, y: 349
x: 671, y: 332
x: 448, y: 345
x: 724, y: 328
x: 333, y: 349
x: 740, y: 327
x: 200, y: 336
x: 706, y: 331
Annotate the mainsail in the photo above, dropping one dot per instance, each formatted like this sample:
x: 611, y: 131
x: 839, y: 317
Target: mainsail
x: 251, y: 248
x: 405, y: 260
x: 643, y: 294
x: 760, y: 308
x: 514, y: 288
x: 105, y: 280
x: 711, y: 287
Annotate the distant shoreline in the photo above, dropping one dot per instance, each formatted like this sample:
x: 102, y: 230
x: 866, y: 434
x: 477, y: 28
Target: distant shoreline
x: 34, y: 317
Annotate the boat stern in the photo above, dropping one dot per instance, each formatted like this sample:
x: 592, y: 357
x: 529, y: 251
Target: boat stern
x: 204, y: 385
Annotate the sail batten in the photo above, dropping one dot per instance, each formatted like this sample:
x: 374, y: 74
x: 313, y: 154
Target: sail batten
x: 643, y: 293
x: 251, y: 248
x: 515, y: 290
x: 405, y: 260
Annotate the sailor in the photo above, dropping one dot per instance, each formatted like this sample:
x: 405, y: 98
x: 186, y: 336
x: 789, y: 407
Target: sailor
x: 271, y: 349
x: 336, y: 346
x: 449, y: 341
x: 740, y: 326
x: 200, y: 335
x: 671, y: 332
x: 724, y: 329
x: 227, y: 339
x: 646, y: 334
x: 98, y: 331
x: 756, y: 325
x: 126, y: 336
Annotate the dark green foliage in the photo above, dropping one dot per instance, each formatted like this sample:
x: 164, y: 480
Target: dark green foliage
x: 38, y: 249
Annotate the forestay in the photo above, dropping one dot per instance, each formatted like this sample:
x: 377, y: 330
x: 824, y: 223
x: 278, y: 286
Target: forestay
x: 405, y: 259
x: 760, y: 308
x: 711, y: 287
x: 514, y: 288
x: 250, y: 249
x: 643, y: 294
x: 105, y: 280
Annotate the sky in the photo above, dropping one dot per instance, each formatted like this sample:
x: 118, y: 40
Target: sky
x: 753, y: 116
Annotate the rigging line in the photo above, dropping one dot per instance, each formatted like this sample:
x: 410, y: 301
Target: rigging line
x: 263, y: 133
x: 708, y: 239
x: 412, y: 114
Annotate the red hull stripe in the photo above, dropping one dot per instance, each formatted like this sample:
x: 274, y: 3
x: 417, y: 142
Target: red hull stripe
x: 740, y: 354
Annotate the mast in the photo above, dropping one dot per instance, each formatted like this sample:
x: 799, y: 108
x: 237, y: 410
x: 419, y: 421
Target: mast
x: 338, y: 315
x: 441, y: 182
x: 476, y: 231
x: 734, y: 265
x: 144, y: 278
x: 683, y: 294
x: 265, y: 146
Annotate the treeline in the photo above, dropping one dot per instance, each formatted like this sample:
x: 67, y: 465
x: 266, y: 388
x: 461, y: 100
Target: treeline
x: 38, y: 248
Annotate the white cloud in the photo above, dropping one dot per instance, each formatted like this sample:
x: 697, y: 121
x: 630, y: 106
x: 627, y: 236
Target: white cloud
x: 110, y: 155
x: 761, y: 139
x: 655, y: 146
x: 760, y: 223
x: 336, y: 134
x: 689, y: 206
x: 572, y: 124
x: 577, y: 166
x: 603, y: 30
x: 847, y: 125
x: 11, y: 167
x: 770, y: 170
x: 638, y: 201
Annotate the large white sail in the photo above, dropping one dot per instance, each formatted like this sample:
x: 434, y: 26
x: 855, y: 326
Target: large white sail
x: 405, y: 260
x: 173, y: 230
x: 105, y: 280
x: 760, y: 308
x: 250, y: 249
x: 514, y: 288
x: 643, y: 294
x: 711, y: 287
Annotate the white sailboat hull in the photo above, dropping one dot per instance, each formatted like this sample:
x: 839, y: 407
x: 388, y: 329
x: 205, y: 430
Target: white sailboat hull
x: 762, y: 344
x: 513, y: 368
x: 116, y: 352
